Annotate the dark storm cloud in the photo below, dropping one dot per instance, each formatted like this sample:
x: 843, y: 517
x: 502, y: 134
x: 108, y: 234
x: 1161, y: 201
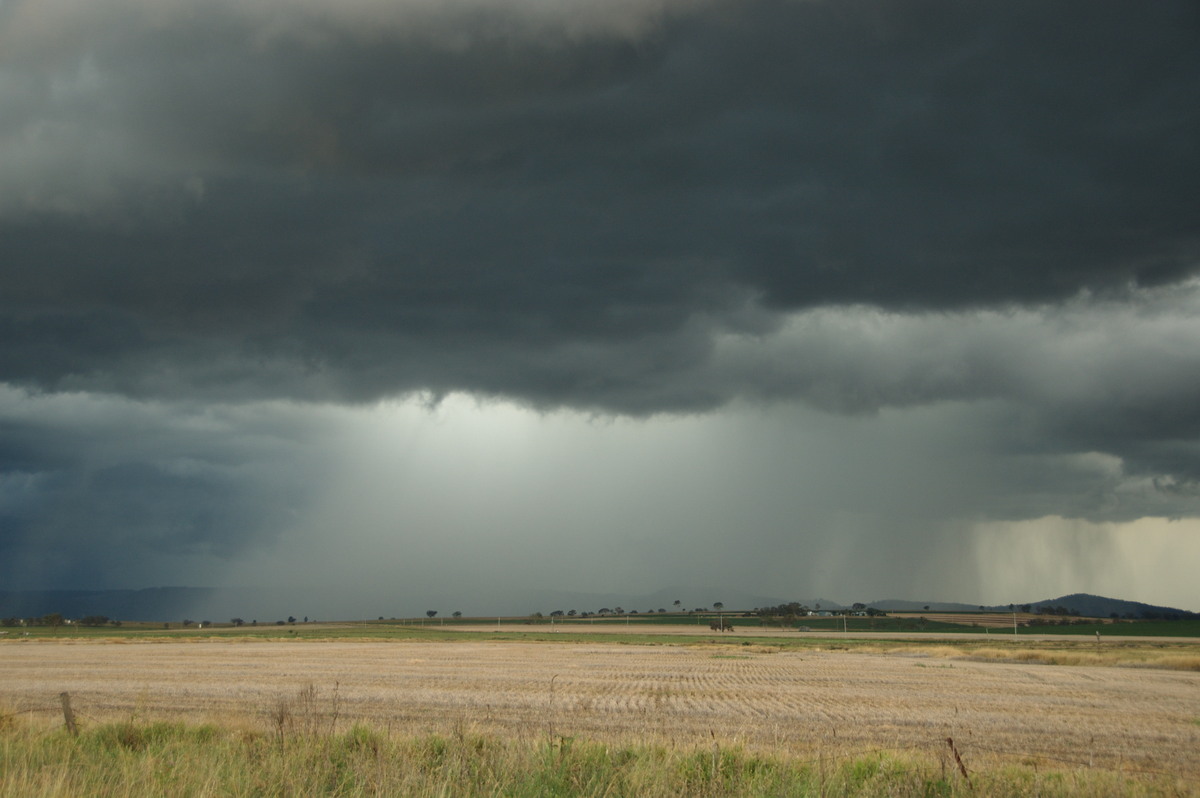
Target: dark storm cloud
x: 1110, y: 376
x: 97, y: 492
x: 561, y: 202
x: 631, y: 206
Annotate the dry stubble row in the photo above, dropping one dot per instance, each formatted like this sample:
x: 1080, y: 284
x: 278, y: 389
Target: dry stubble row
x: 807, y: 703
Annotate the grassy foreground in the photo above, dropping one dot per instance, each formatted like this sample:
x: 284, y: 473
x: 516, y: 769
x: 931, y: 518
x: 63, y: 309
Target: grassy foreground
x: 164, y: 758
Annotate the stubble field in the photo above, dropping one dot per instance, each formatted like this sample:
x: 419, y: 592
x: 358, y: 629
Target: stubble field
x: 815, y: 703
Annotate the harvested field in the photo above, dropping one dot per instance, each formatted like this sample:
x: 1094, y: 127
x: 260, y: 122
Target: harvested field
x: 815, y: 702
x: 993, y: 620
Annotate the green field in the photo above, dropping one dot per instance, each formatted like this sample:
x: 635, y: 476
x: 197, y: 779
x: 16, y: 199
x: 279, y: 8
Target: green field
x: 1187, y: 628
x: 639, y: 626
x: 1066, y: 645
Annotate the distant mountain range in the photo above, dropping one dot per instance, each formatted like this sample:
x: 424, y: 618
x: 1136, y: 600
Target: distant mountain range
x: 1084, y: 604
x: 202, y: 603
x: 269, y: 604
x: 150, y: 604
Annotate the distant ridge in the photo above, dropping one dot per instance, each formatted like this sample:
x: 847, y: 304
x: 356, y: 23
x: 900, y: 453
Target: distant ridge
x: 1081, y: 603
x: 1099, y: 606
x: 148, y: 604
x: 176, y: 603
x: 902, y: 605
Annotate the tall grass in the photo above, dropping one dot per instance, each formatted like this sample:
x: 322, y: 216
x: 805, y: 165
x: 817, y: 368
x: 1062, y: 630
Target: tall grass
x: 1101, y: 655
x: 164, y: 758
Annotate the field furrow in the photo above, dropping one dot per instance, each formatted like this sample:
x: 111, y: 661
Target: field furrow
x: 824, y: 701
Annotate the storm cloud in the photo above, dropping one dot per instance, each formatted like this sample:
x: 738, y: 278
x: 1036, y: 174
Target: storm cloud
x: 278, y: 217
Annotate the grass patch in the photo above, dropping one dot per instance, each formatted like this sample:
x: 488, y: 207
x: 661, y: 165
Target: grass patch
x: 1181, y: 628
x: 1127, y: 655
x: 183, y: 760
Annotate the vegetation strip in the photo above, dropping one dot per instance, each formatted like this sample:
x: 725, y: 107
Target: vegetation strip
x: 1067, y: 649
x: 201, y: 760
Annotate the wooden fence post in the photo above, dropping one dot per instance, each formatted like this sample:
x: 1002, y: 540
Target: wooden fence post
x: 958, y: 759
x: 68, y: 715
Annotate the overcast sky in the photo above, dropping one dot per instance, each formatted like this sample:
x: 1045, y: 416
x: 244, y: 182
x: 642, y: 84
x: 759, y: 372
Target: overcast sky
x: 854, y: 299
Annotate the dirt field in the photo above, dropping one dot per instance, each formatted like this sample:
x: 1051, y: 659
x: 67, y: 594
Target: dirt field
x: 822, y: 703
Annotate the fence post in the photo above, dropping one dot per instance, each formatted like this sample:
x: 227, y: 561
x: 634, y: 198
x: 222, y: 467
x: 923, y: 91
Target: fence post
x: 68, y: 715
x: 958, y: 759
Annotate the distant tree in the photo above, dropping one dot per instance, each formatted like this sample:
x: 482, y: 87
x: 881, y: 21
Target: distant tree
x: 457, y: 614
x: 188, y: 621
x: 571, y: 613
x: 93, y: 620
x: 676, y: 603
x: 306, y: 619
x: 53, y: 620
x: 660, y: 609
x: 10, y: 622
x: 858, y: 606
x: 291, y: 619
x: 206, y: 623
x: 557, y: 614
x: 926, y: 608
x: 236, y: 621
x: 718, y: 605
x: 431, y: 613
x: 280, y: 623
x: 604, y: 611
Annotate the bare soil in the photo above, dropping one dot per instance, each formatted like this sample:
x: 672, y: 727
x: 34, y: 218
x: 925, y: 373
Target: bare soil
x: 821, y: 703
